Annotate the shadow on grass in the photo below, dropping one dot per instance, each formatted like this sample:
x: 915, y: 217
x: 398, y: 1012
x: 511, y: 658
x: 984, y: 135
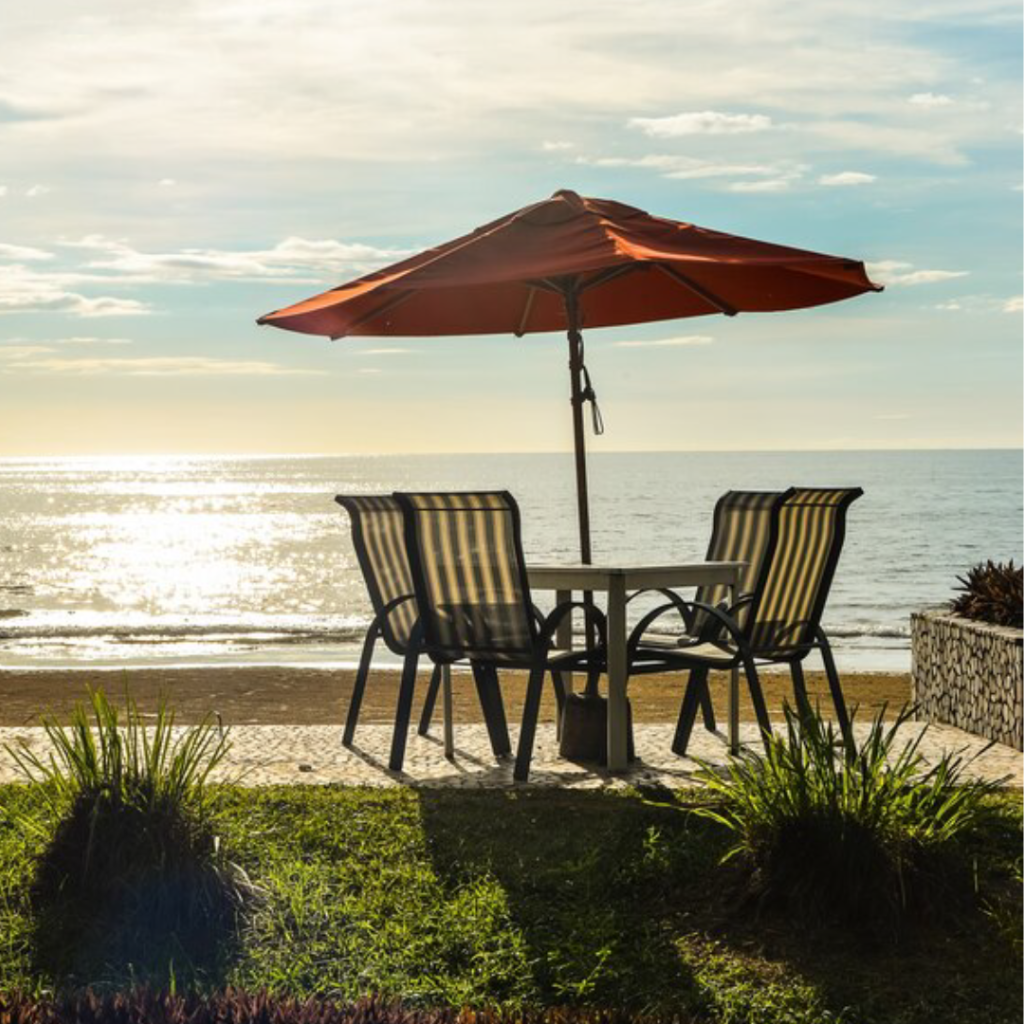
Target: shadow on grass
x: 587, y: 877
x: 624, y: 904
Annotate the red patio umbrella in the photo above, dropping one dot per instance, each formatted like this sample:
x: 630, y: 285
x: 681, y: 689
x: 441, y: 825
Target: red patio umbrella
x: 567, y: 263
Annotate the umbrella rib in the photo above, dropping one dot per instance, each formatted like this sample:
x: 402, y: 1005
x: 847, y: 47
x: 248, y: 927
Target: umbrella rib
x: 549, y: 285
x: 610, y: 273
x: 531, y: 294
x: 384, y: 307
x: 698, y: 290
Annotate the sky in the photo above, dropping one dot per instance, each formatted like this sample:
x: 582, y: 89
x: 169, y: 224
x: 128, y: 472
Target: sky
x: 170, y: 172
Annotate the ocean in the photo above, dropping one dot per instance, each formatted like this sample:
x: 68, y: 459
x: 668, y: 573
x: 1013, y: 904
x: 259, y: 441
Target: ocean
x: 169, y: 561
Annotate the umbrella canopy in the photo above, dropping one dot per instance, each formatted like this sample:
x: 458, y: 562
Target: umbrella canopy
x: 571, y: 262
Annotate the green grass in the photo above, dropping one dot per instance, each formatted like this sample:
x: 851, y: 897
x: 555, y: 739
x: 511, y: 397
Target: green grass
x: 546, y: 897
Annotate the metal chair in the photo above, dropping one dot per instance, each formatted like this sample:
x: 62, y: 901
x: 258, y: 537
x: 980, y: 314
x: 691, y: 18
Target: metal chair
x: 778, y: 621
x: 469, y: 577
x: 741, y: 532
x: 378, y: 538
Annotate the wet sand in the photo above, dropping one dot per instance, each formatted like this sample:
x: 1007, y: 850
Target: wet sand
x: 294, y: 695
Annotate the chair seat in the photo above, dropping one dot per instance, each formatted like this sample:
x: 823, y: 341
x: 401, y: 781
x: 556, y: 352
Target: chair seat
x: 710, y: 654
x: 567, y: 660
x: 666, y: 641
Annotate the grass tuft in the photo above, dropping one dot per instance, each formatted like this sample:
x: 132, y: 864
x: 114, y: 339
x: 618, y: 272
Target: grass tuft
x: 132, y: 871
x: 867, y: 840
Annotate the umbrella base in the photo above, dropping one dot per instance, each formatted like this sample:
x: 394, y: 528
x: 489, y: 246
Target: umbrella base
x: 585, y: 729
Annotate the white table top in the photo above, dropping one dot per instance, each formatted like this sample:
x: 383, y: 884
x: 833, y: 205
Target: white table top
x: 574, y: 576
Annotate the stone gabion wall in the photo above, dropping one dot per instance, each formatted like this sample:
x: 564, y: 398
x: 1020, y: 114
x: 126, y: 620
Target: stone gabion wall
x: 968, y: 674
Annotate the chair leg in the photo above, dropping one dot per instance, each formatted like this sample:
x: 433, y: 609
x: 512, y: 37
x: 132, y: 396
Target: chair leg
x: 430, y: 701
x: 707, y: 708
x: 489, y: 691
x: 352, y: 718
x: 531, y: 708
x: 449, y: 717
x: 838, y: 701
x: 404, y: 710
x: 757, y: 697
x: 696, y: 685
x: 803, y: 704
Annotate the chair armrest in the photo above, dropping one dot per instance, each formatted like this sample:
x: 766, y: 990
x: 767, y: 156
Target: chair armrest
x: 594, y: 617
x: 676, y: 603
x: 394, y: 603
x: 724, y: 619
x: 591, y: 613
x: 664, y: 591
x: 720, y: 617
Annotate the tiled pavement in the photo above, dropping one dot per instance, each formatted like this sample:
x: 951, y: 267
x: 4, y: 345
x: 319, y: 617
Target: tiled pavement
x: 266, y: 754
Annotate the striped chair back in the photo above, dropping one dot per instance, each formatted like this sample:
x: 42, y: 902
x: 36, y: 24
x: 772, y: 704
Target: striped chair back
x: 469, y: 574
x: 745, y: 523
x: 379, y: 539
x: 812, y: 525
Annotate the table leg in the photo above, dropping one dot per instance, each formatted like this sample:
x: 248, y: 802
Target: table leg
x: 618, y: 723
x: 449, y: 727
x: 563, y: 635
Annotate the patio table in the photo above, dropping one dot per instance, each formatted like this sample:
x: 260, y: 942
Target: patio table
x: 617, y: 581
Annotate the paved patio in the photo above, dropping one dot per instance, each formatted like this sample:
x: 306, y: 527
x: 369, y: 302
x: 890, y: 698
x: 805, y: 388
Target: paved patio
x: 269, y: 754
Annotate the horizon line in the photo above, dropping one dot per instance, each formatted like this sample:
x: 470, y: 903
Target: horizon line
x: 434, y: 454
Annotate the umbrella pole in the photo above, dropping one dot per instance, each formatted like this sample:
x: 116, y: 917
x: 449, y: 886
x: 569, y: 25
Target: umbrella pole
x: 575, y: 376
x: 582, y: 499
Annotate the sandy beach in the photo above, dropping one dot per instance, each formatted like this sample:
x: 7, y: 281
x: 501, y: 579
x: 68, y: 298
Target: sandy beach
x: 293, y: 695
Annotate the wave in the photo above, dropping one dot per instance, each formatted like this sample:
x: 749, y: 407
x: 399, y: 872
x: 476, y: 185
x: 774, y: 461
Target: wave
x: 869, y: 630
x: 303, y: 630
x: 163, y: 631
x: 845, y: 631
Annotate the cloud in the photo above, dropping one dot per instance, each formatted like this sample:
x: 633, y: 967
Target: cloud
x: 679, y: 168
x: 106, y: 305
x: 112, y: 263
x: 292, y: 260
x: 1014, y: 305
x: 384, y: 352
x: 930, y: 99
x: 415, y: 83
x: 167, y: 182
x: 952, y: 306
x: 897, y: 272
x: 685, y: 168
x: 34, y: 191
x: 19, y: 352
x: 768, y: 185
x: 23, y: 290
x: 22, y: 252
x: 676, y: 342
x: 893, y: 416
x: 11, y: 113
x: 86, y: 340
x: 155, y: 366
x: 369, y: 370
x: 704, y: 122
x: 888, y: 135
x: 847, y: 178
x: 555, y: 147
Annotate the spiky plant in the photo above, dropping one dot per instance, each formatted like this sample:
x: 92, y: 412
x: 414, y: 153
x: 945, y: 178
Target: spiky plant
x: 992, y: 592
x: 133, y: 872
x: 864, y: 838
